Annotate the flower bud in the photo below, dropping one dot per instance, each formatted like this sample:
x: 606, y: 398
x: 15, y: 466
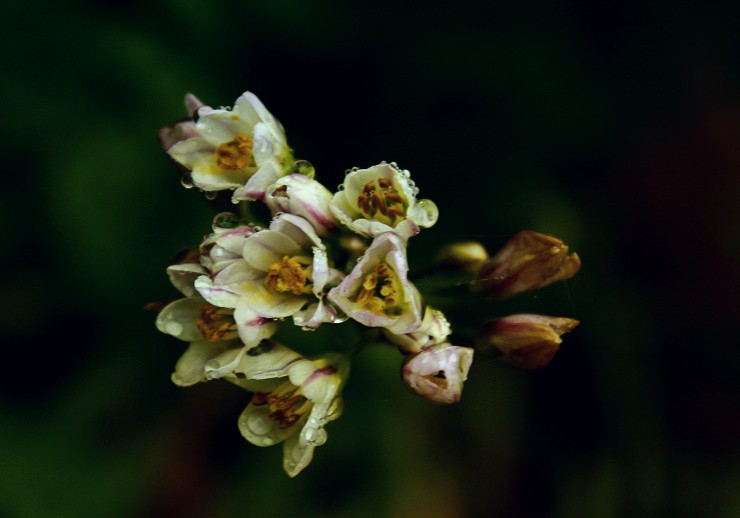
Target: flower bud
x: 464, y: 255
x: 438, y: 372
x: 528, y: 261
x: 303, y: 196
x: 525, y: 341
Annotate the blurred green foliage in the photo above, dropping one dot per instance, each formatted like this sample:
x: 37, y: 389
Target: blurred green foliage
x: 614, y: 127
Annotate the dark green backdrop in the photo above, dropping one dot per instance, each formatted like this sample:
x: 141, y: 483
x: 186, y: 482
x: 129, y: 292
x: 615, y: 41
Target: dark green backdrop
x: 615, y: 127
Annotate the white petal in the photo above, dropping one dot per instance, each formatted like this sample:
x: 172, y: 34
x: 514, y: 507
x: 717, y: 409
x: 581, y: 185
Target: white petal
x: 190, y: 368
x: 268, y: 247
x: 179, y: 319
x: 296, y: 455
x: 223, y: 297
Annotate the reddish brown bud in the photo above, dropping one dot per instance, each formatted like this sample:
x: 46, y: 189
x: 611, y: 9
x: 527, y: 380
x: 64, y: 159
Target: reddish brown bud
x: 525, y: 341
x: 528, y: 261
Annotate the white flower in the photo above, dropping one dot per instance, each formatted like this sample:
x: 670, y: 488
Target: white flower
x: 283, y: 272
x: 377, y: 293
x: 303, y: 196
x: 243, y: 149
x: 294, y: 412
x: 210, y: 330
x: 437, y: 373
x: 382, y: 199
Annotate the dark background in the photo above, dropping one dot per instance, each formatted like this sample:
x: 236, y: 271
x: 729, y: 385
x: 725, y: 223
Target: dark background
x: 613, y: 126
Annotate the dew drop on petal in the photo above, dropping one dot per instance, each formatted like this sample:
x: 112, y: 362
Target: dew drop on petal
x: 257, y: 423
x: 225, y: 220
x: 186, y: 180
x: 305, y: 168
x: 210, y: 195
x: 426, y: 213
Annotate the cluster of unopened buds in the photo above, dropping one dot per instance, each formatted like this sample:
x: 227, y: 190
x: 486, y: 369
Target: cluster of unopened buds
x: 322, y: 258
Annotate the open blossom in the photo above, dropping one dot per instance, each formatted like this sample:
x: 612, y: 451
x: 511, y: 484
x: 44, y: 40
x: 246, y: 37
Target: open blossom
x: 437, y: 373
x: 381, y: 199
x: 529, y: 260
x: 299, y: 397
x: 303, y: 196
x: 210, y: 330
x: 243, y: 148
x: 377, y: 292
x: 282, y: 272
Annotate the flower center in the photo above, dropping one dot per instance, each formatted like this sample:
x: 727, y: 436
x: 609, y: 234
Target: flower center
x: 438, y: 378
x: 288, y: 275
x: 381, y: 201
x: 216, y: 324
x: 380, y: 291
x: 235, y: 154
x: 287, y: 404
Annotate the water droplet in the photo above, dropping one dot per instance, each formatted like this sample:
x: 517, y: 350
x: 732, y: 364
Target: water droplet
x: 210, y: 195
x: 305, y: 168
x: 187, y: 181
x: 225, y: 220
x: 425, y: 213
x: 340, y: 187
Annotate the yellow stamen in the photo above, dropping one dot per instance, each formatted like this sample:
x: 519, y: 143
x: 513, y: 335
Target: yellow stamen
x: 235, y: 154
x: 288, y: 275
x: 380, y: 291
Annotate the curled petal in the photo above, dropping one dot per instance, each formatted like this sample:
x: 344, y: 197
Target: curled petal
x: 437, y: 373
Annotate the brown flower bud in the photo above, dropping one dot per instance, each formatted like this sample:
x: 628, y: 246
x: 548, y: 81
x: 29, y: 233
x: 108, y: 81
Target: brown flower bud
x: 525, y: 341
x: 528, y: 261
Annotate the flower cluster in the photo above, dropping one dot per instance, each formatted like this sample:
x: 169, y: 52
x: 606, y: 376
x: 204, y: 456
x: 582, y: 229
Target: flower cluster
x: 326, y: 258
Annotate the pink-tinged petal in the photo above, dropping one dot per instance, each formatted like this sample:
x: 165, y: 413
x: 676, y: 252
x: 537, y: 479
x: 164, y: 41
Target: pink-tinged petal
x: 193, y: 105
x: 221, y: 296
x: 256, y: 187
x: 178, y: 132
x: 298, y: 229
x: 303, y: 196
x: 404, y: 315
x: 438, y: 372
x: 252, y: 327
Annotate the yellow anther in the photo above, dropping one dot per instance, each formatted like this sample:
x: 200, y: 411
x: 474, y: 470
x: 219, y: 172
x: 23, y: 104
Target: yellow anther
x: 287, y: 275
x: 380, y: 291
x: 235, y: 154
